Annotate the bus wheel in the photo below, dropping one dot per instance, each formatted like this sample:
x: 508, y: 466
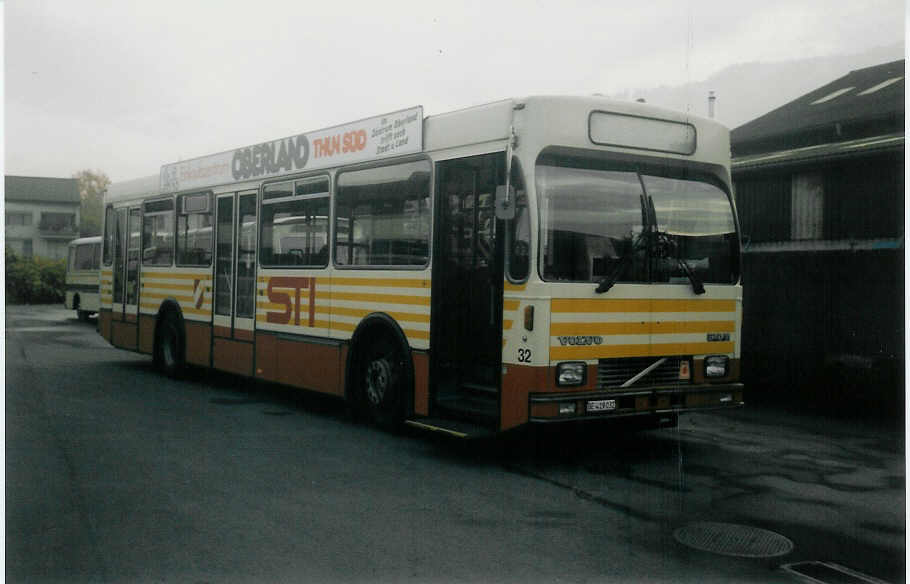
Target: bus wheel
x: 80, y: 314
x: 168, y: 353
x: 380, y: 377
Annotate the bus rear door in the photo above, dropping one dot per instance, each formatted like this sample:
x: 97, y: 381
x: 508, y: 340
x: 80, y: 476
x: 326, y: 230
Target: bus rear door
x: 125, y: 293
x: 235, y: 283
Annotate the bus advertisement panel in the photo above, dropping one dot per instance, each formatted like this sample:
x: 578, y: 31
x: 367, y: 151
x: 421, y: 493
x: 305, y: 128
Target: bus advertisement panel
x: 392, y: 134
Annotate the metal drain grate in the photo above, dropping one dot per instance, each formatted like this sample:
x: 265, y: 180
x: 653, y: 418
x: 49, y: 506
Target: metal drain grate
x: 730, y: 539
x: 829, y: 573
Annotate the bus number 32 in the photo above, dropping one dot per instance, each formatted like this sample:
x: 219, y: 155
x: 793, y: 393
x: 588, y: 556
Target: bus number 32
x: 524, y: 355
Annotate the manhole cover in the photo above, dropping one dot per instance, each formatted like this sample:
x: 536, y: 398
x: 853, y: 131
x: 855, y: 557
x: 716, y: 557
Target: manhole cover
x: 730, y: 539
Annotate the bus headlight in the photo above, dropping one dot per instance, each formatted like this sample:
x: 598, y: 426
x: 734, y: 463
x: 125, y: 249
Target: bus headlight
x: 572, y: 373
x: 716, y: 366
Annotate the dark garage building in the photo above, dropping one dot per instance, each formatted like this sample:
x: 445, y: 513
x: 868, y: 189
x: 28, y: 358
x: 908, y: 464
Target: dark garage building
x: 820, y: 194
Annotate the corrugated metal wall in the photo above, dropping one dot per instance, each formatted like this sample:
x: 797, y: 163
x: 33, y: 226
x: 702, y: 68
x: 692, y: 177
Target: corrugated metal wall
x: 865, y: 198
x: 825, y: 325
x: 860, y: 199
x: 763, y: 203
x: 824, y: 329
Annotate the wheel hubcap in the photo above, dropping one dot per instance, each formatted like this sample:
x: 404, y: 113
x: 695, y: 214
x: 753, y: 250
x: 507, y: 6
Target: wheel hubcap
x: 167, y: 350
x: 378, y: 376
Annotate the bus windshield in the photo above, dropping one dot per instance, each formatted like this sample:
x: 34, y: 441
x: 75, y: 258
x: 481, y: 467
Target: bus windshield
x: 596, y: 221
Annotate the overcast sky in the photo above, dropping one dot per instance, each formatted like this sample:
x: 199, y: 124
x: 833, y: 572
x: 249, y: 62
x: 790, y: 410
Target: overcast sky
x: 124, y: 87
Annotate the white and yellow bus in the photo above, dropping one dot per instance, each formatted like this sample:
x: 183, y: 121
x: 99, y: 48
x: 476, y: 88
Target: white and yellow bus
x: 82, y: 265
x: 533, y: 260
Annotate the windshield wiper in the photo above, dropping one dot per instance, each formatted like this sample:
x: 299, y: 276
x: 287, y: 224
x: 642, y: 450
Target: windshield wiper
x: 697, y: 286
x: 666, y: 246
x: 608, y: 281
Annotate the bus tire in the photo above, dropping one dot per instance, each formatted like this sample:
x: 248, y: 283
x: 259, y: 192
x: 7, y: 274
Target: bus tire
x: 381, y: 376
x: 168, y: 350
x: 82, y: 315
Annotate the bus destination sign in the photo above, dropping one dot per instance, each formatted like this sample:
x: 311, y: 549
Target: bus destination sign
x: 391, y: 134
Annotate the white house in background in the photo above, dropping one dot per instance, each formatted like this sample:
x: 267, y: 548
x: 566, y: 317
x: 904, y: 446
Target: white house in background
x: 42, y: 215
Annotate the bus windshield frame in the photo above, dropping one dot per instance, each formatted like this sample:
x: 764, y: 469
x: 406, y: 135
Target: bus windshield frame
x: 637, y: 221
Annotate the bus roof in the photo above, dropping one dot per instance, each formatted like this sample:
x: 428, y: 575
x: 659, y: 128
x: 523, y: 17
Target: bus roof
x: 84, y: 240
x: 407, y: 131
x: 136, y: 188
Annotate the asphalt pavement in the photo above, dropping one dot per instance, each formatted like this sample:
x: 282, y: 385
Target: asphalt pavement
x: 116, y: 474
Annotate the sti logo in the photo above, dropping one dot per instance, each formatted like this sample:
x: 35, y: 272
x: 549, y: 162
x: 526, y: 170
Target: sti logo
x: 298, y: 285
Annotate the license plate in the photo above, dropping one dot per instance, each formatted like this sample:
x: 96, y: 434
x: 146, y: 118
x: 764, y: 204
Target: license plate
x: 601, y: 405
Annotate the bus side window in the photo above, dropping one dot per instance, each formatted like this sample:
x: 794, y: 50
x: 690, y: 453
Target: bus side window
x: 82, y: 256
x: 382, y: 215
x: 194, y: 231
x: 158, y: 233
x: 108, y: 235
x: 295, y: 223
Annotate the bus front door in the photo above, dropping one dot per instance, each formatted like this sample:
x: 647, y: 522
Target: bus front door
x: 133, y: 251
x: 125, y: 292
x: 466, y: 321
x: 235, y: 283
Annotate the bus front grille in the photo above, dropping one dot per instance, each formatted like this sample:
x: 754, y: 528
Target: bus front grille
x: 612, y: 373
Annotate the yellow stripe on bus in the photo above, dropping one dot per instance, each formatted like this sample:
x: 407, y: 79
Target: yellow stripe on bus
x: 643, y: 350
x: 641, y: 328
x: 186, y: 307
x: 509, y: 304
x: 270, y: 306
x: 410, y: 333
x: 382, y: 298
x: 375, y: 282
x: 304, y: 292
x: 641, y: 305
x: 181, y: 287
x: 319, y: 280
x: 344, y: 311
x: 170, y: 276
x: 163, y: 295
x: 304, y: 322
x: 361, y: 312
x: 509, y: 287
x: 382, y: 282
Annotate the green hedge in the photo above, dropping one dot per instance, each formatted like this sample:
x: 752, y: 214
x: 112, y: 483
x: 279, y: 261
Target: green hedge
x: 34, y: 280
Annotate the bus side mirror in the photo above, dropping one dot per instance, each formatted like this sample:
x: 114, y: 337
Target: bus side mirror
x: 505, y: 202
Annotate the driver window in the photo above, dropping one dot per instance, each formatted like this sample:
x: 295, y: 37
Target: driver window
x: 519, y: 229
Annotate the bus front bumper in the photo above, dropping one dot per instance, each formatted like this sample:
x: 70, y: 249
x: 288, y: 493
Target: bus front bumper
x: 622, y: 403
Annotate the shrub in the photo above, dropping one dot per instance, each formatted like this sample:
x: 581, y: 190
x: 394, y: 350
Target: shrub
x: 34, y: 280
